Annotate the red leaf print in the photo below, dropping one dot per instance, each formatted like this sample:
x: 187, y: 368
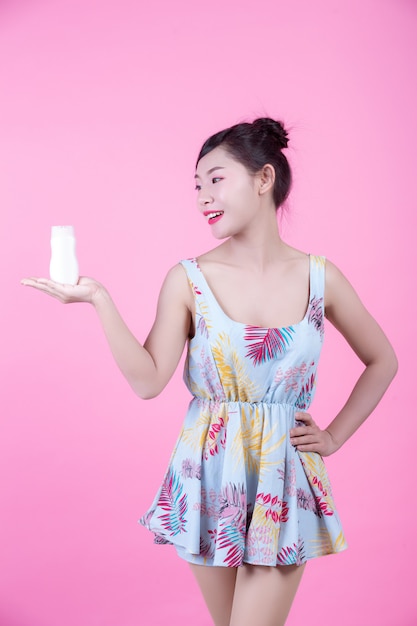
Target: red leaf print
x: 267, y: 343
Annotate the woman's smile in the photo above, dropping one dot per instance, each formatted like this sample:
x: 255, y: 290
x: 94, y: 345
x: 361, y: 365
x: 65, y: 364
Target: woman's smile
x: 213, y: 216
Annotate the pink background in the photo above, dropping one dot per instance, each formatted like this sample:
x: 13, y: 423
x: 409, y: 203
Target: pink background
x: 103, y: 107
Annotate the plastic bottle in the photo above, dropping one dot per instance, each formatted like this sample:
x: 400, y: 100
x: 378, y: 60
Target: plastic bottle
x: 64, y: 265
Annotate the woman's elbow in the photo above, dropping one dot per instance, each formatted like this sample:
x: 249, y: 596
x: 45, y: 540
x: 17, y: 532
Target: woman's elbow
x: 147, y: 391
x: 148, y: 394
x: 389, y: 363
x: 393, y: 364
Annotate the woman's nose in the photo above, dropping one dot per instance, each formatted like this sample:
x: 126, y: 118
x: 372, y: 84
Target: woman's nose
x: 204, y: 199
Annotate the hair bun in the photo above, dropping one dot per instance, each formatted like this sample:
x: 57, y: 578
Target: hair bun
x: 272, y: 128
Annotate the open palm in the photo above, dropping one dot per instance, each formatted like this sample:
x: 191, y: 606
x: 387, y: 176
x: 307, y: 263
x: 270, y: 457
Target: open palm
x: 84, y: 291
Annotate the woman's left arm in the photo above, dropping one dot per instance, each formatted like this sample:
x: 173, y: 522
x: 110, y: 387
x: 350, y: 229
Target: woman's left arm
x: 346, y: 312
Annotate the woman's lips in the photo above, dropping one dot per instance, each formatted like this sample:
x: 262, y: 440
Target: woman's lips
x: 213, y: 216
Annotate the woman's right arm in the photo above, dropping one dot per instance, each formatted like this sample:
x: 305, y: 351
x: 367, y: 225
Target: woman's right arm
x: 147, y: 367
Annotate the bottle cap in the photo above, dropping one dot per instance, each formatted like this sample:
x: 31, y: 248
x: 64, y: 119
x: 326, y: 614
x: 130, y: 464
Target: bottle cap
x: 62, y: 231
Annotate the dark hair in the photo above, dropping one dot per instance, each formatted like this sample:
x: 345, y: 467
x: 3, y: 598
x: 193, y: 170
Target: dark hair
x: 254, y: 145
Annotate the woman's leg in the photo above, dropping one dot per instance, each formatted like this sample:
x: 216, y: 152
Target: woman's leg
x: 263, y: 595
x: 217, y: 585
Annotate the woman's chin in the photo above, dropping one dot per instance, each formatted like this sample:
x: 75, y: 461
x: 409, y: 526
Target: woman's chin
x: 217, y: 233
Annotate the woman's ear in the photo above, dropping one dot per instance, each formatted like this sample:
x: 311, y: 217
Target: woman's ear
x: 266, y: 179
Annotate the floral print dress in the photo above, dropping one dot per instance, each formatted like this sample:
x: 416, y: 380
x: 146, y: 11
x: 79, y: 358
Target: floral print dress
x: 236, y: 491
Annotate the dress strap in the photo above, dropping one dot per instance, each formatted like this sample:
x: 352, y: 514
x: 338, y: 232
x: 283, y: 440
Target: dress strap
x: 197, y: 283
x: 317, y: 276
x: 317, y: 285
x: 207, y: 307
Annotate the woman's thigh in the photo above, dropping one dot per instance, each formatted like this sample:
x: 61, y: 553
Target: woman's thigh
x: 217, y: 585
x: 263, y: 595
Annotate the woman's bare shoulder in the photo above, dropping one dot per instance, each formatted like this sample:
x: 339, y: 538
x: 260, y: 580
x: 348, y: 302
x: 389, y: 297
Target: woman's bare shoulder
x: 176, y: 287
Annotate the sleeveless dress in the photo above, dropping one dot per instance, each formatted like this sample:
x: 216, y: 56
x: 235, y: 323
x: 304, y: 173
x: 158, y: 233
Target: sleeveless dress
x: 236, y: 490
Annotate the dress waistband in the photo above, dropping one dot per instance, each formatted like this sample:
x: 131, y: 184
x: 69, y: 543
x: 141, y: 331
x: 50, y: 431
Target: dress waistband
x: 217, y: 403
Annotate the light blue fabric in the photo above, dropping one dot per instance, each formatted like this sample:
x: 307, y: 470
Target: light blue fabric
x: 235, y: 489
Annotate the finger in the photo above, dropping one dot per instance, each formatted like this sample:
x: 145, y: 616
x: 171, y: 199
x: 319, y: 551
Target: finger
x: 46, y: 281
x: 36, y: 284
x: 305, y: 439
x: 28, y: 281
x: 44, y: 285
x: 309, y: 448
x: 306, y: 429
x: 299, y: 431
x: 34, y: 281
x: 303, y: 417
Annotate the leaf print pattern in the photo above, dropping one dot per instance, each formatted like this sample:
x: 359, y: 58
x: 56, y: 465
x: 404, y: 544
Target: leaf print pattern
x: 340, y: 543
x: 207, y: 547
x: 204, y: 313
x: 208, y: 506
x: 291, y: 376
x: 292, y: 555
x: 202, y: 326
x: 236, y: 382
x: 262, y: 544
x: 307, y: 502
x: 216, y: 437
x: 319, y: 481
x: 254, y: 447
x: 304, y: 399
x: 190, y: 469
x: 273, y: 507
x: 266, y: 344
x: 208, y: 434
x: 289, y: 477
x: 236, y: 490
x: 315, y: 314
x: 210, y: 386
x: 174, y: 502
x: 233, y: 523
x: 318, y: 261
x: 322, y: 543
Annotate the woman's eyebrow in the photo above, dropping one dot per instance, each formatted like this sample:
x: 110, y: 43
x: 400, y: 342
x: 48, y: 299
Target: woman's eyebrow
x: 213, y: 169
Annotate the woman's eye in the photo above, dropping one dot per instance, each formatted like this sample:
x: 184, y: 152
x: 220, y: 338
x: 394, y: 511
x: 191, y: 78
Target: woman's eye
x: 215, y: 179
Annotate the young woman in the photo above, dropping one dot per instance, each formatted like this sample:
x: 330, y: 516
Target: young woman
x: 246, y: 498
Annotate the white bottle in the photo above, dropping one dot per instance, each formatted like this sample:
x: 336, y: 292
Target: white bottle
x: 64, y: 265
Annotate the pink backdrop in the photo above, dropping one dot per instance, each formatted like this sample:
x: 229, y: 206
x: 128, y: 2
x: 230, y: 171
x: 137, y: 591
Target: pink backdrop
x: 103, y: 107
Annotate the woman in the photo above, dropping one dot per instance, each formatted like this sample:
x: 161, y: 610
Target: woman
x: 246, y: 498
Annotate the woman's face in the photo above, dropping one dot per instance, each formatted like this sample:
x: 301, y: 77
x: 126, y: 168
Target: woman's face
x: 227, y: 195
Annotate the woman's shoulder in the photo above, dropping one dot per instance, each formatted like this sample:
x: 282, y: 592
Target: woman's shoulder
x: 334, y: 274
x: 176, y: 284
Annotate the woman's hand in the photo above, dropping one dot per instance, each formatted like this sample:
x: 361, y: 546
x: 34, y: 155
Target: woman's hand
x: 310, y: 438
x: 86, y: 290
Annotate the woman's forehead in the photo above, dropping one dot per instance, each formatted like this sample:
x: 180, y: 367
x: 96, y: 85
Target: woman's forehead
x: 216, y: 158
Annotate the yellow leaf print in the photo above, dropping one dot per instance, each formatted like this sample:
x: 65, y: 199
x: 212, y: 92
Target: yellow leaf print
x: 255, y: 444
x: 199, y: 392
x: 236, y: 383
x: 320, y: 261
x: 268, y: 449
x: 196, y: 435
x: 208, y: 432
x: 340, y: 543
x: 323, y: 543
